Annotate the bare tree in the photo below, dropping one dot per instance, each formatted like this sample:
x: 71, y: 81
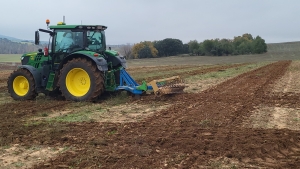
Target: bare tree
x: 126, y: 50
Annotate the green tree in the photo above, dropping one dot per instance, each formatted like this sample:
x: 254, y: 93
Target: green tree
x: 238, y: 40
x: 185, y: 48
x: 194, y: 46
x: 169, y: 47
x: 208, y: 47
x: 245, y: 47
x: 217, y: 49
x: 226, y: 46
x: 258, y: 45
x: 242, y: 44
x: 160, y: 48
x: 200, y: 50
x: 145, y: 52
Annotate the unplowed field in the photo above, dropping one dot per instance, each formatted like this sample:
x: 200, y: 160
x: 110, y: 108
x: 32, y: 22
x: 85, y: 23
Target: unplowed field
x: 231, y: 116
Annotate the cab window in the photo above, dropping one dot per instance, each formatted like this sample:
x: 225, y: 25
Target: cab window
x: 67, y: 41
x: 94, y: 39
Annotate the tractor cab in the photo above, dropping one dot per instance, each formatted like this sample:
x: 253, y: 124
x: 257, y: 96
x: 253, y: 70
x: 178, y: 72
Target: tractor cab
x: 70, y: 38
x: 67, y: 39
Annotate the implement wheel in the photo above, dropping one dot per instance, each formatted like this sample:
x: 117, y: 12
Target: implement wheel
x: 21, y: 85
x: 80, y: 80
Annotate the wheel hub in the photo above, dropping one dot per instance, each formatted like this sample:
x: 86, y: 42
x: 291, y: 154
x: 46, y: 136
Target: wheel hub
x: 83, y: 81
x: 23, y: 85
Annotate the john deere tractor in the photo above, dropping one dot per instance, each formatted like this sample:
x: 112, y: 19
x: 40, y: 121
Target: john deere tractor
x: 77, y: 65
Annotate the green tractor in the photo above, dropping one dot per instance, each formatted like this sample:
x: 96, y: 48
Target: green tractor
x: 76, y: 65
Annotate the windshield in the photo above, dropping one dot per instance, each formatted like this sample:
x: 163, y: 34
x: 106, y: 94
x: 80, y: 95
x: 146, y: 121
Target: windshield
x: 95, y: 40
x: 68, y: 41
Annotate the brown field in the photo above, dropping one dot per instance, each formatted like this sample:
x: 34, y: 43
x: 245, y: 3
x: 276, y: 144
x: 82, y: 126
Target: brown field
x: 238, y: 112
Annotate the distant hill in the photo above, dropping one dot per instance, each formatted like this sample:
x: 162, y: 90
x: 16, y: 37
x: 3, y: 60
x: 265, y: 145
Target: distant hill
x: 284, y: 47
x: 10, y: 38
x: 20, y: 40
x: 17, y: 47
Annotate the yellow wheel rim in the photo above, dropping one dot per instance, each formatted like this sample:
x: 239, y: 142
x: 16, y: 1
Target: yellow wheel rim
x: 78, y: 82
x: 21, y: 85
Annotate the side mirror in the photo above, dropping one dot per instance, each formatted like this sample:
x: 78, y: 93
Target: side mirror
x: 37, y: 38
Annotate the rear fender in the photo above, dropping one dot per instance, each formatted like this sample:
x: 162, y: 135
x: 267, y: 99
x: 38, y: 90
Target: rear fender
x: 115, y: 58
x: 99, y: 61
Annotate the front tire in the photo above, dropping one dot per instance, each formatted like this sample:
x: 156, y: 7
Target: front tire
x: 21, y: 85
x: 80, y: 80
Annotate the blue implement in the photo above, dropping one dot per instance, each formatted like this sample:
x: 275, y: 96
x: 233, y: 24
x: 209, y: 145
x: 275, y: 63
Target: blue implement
x: 127, y: 83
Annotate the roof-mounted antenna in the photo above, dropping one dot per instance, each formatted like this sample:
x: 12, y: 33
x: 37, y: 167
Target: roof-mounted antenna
x: 64, y: 19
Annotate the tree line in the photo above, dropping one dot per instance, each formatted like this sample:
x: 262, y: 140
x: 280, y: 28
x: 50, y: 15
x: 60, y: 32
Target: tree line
x: 9, y: 47
x: 239, y: 45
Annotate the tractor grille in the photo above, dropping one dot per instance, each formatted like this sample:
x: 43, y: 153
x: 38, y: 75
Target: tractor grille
x: 37, y: 61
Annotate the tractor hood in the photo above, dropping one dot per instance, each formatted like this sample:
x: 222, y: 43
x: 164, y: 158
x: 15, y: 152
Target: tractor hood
x: 30, y: 54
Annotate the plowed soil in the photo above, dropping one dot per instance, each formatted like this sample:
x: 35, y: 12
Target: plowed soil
x: 210, y: 129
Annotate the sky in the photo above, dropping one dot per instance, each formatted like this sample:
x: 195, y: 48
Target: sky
x: 134, y: 21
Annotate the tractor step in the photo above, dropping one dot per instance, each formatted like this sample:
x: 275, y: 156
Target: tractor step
x: 49, y: 85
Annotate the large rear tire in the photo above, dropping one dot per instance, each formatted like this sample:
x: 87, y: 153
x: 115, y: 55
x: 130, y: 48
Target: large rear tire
x: 21, y: 85
x: 80, y: 80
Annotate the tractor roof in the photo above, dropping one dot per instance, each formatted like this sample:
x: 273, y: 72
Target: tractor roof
x: 63, y: 26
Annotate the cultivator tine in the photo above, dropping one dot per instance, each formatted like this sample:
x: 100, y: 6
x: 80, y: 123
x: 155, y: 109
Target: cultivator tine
x: 168, y: 86
x: 175, y: 88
